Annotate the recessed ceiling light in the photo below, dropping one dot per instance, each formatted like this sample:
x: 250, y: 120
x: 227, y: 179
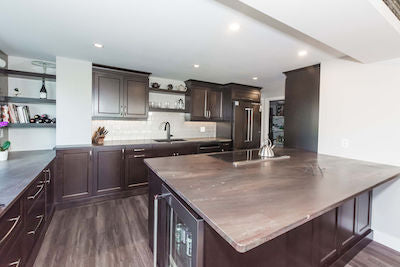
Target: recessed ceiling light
x: 234, y: 27
x: 302, y: 53
x: 196, y: 65
x: 255, y: 78
x: 98, y: 45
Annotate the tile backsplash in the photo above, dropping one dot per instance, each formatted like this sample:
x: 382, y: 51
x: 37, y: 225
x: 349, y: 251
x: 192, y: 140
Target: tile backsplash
x: 152, y: 128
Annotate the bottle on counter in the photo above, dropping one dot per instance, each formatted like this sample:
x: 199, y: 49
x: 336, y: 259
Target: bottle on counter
x: 43, y: 91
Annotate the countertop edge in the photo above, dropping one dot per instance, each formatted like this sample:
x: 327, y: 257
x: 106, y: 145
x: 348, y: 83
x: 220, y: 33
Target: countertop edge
x: 12, y: 202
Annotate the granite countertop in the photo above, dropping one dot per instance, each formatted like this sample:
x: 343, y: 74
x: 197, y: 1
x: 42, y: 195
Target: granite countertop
x: 252, y: 204
x: 145, y: 142
x: 18, y: 172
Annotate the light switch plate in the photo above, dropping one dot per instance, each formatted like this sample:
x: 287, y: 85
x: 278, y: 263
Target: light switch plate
x: 345, y: 143
x: 202, y: 129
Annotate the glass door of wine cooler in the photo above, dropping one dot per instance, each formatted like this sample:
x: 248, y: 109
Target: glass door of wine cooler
x: 185, y: 231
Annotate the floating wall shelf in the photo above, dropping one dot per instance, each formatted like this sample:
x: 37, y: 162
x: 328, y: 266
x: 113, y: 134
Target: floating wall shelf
x: 28, y: 75
x: 27, y: 100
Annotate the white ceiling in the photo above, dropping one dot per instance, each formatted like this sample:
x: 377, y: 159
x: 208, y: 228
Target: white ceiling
x: 364, y: 29
x: 158, y: 36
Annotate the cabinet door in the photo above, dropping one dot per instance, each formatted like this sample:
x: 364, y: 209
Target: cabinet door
x: 136, y: 95
x: 199, y: 103
x: 108, y: 169
x: 107, y: 94
x: 12, y: 255
x: 215, y: 104
x: 74, y: 174
x: 136, y: 170
x: 346, y: 224
x: 325, y: 238
x: 363, y: 210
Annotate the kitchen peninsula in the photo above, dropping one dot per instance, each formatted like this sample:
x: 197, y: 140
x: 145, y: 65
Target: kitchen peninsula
x: 308, y: 210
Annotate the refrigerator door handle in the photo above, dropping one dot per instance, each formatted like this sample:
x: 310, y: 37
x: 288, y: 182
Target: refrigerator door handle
x: 251, y: 123
x: 205, y: 104
x: 248, y: 126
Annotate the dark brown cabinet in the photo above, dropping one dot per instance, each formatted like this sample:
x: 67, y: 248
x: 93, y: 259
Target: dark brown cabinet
x: 120, y: 94
x: 74, y: 174
x: 108, y: 169
x: 205, y: 101
x: 107, y: 94
x: 346, y: 224
x: 135, y: 168
x: 136, y: 96
x: 363, y: 213
x: 49, y: 181
x: 302, y: 108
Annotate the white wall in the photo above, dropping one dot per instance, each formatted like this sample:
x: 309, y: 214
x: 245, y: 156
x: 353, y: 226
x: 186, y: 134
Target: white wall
x: 74, y: 101
x: 359, y: 105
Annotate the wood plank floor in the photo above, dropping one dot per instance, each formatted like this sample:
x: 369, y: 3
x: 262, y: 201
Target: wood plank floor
x: 111, y: 233
x: 114, y: 233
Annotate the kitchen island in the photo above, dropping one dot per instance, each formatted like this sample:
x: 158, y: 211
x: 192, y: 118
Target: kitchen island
x: 307, y: 210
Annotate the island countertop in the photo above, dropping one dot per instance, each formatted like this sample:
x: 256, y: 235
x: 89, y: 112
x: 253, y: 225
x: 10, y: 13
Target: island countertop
x: 18, y: 172
x: 252, y: 204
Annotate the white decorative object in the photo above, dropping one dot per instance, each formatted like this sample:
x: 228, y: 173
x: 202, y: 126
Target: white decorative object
x: 3, y: 155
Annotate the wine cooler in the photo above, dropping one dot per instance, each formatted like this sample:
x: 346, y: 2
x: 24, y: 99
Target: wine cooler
x: 182, y: 232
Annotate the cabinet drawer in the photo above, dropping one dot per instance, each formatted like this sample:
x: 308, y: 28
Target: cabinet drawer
x: 34, y: 192
x: 12, y: 254
x: 10, y: 224
x: 35, y: 221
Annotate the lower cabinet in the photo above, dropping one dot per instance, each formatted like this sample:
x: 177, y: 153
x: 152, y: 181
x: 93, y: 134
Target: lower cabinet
x: 135, y: 169
x: 108, y: 169
x: 74, y: 174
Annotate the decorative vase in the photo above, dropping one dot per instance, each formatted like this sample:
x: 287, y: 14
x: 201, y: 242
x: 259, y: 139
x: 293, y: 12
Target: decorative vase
x: 3, y: 155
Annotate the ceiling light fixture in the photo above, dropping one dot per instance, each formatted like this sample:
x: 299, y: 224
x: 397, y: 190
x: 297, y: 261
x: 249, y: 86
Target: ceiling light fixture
x: 196, y: 66
x: 234, y: 27
x: 255, y: 78
x: 98, y: 45
x: 302, y: 53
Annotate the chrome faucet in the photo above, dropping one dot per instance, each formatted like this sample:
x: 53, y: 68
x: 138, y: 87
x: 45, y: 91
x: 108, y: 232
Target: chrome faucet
x: 168, y: 129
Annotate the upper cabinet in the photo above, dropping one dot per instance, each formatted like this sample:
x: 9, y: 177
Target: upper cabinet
x: 205, y: 101
x: 120, y: 94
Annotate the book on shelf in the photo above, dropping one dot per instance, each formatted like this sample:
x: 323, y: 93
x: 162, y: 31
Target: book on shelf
x: 15, y: 114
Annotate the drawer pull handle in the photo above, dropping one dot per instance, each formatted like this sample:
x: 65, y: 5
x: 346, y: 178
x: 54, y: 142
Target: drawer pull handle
x: 38, y: 225
x: 37, y: 193
x: 138, y: 149
x: 15, y: 263
x: 16, y: 221
x: 209, y: 147
x: 139, y: 156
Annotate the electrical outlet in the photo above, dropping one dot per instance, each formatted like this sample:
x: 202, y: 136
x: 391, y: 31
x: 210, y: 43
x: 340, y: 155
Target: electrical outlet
x: 202, y: 129
x: 345, y: 143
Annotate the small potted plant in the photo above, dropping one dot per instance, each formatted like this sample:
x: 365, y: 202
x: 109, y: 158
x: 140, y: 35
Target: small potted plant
x: 4, y: 151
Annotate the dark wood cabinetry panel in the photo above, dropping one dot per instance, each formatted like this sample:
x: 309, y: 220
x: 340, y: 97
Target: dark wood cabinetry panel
x: 12, y: 255
x: 11, y: 224
x: 215, y: 104
x: 120, y: 94
x: 299, y: 245
x: 74, y: 174
x: 108, y: 169
x: 135, y: 98
x: 35, y: 221
x: 136, y: 171
x: 107, y: 94
x: 346, y: 223
x: 302, y: 108
x: 325, y: 238
x: 49, y: 179
x: 363, y: 213
x: 198, y: 103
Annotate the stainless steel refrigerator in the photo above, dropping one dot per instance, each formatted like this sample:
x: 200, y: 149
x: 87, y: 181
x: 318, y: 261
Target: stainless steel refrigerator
x: 246, y: 125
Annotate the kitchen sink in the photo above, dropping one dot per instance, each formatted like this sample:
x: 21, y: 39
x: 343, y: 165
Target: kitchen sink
x: 169, y: 140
